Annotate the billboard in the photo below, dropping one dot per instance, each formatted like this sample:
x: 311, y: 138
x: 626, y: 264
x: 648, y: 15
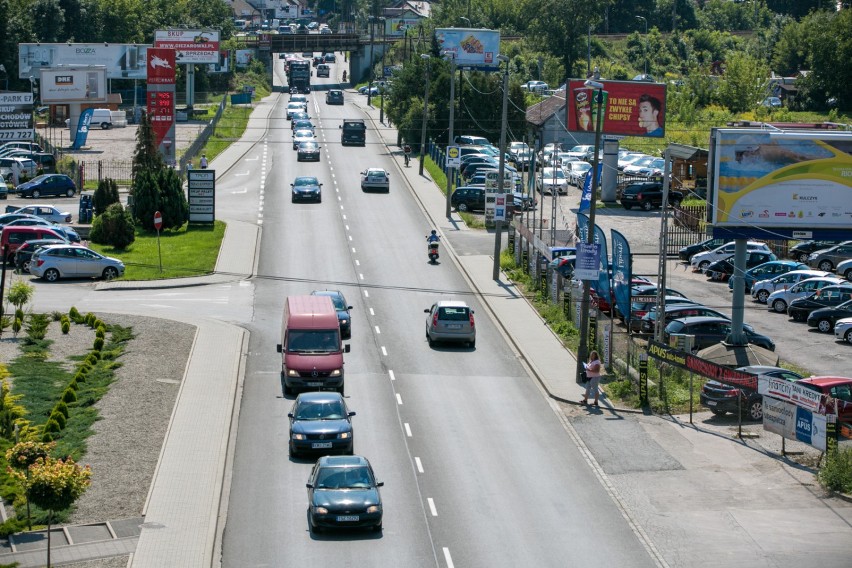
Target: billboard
x: 122, y: 60
x: 474, y: 47
x: 397, y: 26
x: 191, y: 46
x: 73, y: 85
x: 630, y: 108
x: 781, y: 180
x: 16, y: 116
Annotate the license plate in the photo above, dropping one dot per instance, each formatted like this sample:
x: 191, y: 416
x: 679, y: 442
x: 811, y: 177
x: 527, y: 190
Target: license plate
x: 347, y: 518
x: 314, y: 384
x: 454, y: 326
x: 319, y: 445
x: 711, y: 403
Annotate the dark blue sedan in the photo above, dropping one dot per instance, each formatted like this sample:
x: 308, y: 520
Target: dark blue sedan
x: 47, y: 184
x: 343, y: 493
x: 306, y: 188
x: 320, y: 422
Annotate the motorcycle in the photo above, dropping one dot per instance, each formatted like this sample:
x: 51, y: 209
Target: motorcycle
x: 433, y: 252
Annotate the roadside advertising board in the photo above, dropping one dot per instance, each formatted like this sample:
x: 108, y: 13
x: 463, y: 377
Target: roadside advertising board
x: 794, y: 423
x: 161, y: 100
x: 473, y: 47
x: 397, y: 26
x: 73, y: 84
x: 492, y: 190
x: 191, y: 46
x: 202, y: 196
x: 16, y: 116
x: 783, y: 181
x: 453, y: 157
x: 121, y: 60
x: 630, y: 108
x: 791, y: 392
x: 587, y: 266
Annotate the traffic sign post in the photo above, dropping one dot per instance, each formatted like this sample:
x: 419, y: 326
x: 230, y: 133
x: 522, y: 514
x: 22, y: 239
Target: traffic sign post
x: 158, y: 224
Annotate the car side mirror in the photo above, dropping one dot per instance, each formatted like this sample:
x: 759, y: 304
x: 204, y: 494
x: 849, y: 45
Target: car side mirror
x: 346, y: 348
x: 289, y: 415
x: 380, y: 484
x: 309, y: 485
x: 341, y: 127
x: 351, y: 413
x: 278, y: 348
x: 426, y: 311
x: 291, y: 185
x: 348, y: 307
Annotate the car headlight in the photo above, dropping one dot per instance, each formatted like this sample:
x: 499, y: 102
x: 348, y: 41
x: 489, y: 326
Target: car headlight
x: 320, y: 510
x: 812, y: 256
x: 292, y: 373
x: 344, y: 321
x: 344, y: 435
x: 298, y: 436
x: 336, y: 373
x: 374, y: 509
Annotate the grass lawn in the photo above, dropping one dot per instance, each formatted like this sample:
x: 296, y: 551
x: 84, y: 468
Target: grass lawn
x: 191, y: 250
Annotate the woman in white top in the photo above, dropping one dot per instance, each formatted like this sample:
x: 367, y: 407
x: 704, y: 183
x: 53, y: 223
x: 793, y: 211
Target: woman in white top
x: 593, y: 373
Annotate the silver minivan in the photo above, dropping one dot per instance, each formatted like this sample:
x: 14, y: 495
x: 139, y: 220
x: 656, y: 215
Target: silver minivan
x: 450, y: 320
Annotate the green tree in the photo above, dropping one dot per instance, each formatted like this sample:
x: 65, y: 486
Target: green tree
x: 48, y: 20
x: 561, y: 27
x: 146, y: 196
x: 20, y: 293
x: 114, y: 227
x: 173, y: 204
x: 744, y: 83
x: 105, y: 195
x: 23, y: 455
x: 146, y: 157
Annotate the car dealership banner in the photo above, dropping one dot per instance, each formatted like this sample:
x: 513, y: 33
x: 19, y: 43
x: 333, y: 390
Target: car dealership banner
x: 78, y: 84
x: 16, y: 116
x: 469, y: 47
x: 794, y: 423
x: 800, y: 181
x: 622, y: 273
x: 792, y: 392
x: 121, y: 60
x: 630, y: 108
x: 191, y: 46
x: 699, y: 366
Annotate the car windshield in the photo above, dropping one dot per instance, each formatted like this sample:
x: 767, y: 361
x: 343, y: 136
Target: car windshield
x: 344, y: 478
x: 308, y: 146
x: 313, y: 340
x: 332, y: 410
x: 305, y: 181
x: 304, y: 134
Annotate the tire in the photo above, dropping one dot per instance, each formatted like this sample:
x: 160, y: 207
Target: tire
x: 717, y: 412
x: 430, y: 341
x: 377, y: 528
x: 627, y: 206
x: 825, y: 325
x: 472, y: 344
x: 826, y: 265
x: 848, y: 274
x: 798, y: 316
x: 762, y: 296
x: 36, y: 194
x: 340, y: 389
x: 287, y: 389
x: 702, y: 266
x: 51, y: 275
x: 754, y: 409
x: 293, y: 199
x: 803, y: 257
x: 25, y: 266
x: 848, y: 336
x: 110, y: 273
x: 647, y: 205
x: 780, y: 306
x: 293, y: 453
x: 462, y: 207
x: 105, y: 126
x: 70, y: 192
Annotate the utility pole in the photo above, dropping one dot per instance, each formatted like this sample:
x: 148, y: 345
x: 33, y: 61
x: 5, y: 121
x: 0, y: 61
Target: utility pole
x: 382, y: 84
x: 501, y: 170
x: 449, y: 209
x: 372, y: 65
x: 428, y: 62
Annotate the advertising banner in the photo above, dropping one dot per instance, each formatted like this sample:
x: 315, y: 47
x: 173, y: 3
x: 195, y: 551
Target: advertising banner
x: 492, y: 189
x: 588, y: 261
x: 161, y: 99
x: 473, y: 47
x: 161, y: 66
x: 630, y: 108
x: 121, y: 60
x: 699, y: 366
x: 791, y: 180
x: 244, y: 57
x: 192, y: 46
x: 82, y: 132
x: 73, y: 85
x: 16, y: 116
x: 397, y: 26
x: 622, y: 274
x: 791, y: 392
x: 602, y: 287
x: 201, y: 194
x: 794, y: 423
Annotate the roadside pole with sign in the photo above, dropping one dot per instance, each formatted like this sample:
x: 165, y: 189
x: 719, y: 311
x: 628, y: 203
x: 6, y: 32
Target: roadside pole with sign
x: 158, y: 224
x: 453, y: 163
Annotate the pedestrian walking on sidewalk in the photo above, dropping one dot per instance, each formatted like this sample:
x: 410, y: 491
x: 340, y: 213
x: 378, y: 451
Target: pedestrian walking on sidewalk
x: 203, y: 161
x: 593, y: 374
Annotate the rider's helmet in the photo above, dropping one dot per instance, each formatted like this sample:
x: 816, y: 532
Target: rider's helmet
x: 434, y: 232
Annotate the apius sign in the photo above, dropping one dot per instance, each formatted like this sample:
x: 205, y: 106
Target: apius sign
x: 202, y: 196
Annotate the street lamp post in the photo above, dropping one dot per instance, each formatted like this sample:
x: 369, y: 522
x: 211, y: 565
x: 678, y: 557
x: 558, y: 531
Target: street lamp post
x: 426, y: 59
x: 590, y: 237
x: 645, y: 42
x: 382, y: 87
x: 372, y: 65
x: 448, y: 208
x: 501, y: 170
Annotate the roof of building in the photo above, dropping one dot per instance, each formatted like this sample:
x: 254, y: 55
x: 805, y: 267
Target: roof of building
x: 539, y: 113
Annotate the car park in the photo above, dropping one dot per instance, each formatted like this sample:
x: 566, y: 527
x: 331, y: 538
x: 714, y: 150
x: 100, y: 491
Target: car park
x: 551, y: 181
x: 627, y: 159
x: 721, y: 270
x: 686, y: 253
x: 722, y: 398
x: 65, y: 231
x: 342, y: 309
x: 802, y: 250
x: 306, y: 188
x: 824, y: 319
x: 308, y: 151
x: 576, y: 172
x: 676, y: 311
x: 582, y: 152
x: 343, y: 493
x: 839, y: 391
x: 375, y: 179
x: 304, y: 135
x: 709, y: 331
x: 702, y: 260
x: 25, y: 252
x: 450, y: 320
x: 47, y: 212
x: 334, y: 97
x: 53, y: 262
x: 766, y: 271
x: 653, y: 168
x: 635, y: 168
x: 827, y: 259
x: 762, y: 289
x: 647, y: 196
x: 47, y: 185
x: 779, y: 300
x: 320, y: 422
x: 843, y: 330
x: 24, y: 166
x: 642, y: 306
x: 827, y: 297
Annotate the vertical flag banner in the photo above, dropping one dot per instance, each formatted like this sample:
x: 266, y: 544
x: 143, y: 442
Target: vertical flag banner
x: 622, y: 273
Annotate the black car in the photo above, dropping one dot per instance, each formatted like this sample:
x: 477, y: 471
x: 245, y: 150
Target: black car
x: 801, y: 251
x: 676, y: 311
x: 320, y: 422
x: 709, y: 331
x: 687, y: 252
x: 472, y: 198
x: 824, y: 318
x: 47, y: 184
x: 343, y: 493
x: 721, y: 270
x: 27, y: 248
x: 721, y: 398
x: 306, y: 188
x: 826, y: 297
x: 648, y: 195
x: 342, y: 309
x: 334, y: 97
x: 308, y: 151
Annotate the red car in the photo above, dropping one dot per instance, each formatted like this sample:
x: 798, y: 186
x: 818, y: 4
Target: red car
x: 839, y: 389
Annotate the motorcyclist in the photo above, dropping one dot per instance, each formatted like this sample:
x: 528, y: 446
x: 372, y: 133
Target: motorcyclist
x: 433, y: 238
x: 344, y: 76
x: 406, y: 150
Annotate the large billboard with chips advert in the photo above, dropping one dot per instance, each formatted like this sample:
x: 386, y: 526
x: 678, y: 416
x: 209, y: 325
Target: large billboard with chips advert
x: 630, y: 108
x: 469, y: 47
x: 781, y: 179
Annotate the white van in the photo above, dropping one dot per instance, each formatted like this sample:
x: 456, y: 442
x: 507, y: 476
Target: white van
x: 105, y: 118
